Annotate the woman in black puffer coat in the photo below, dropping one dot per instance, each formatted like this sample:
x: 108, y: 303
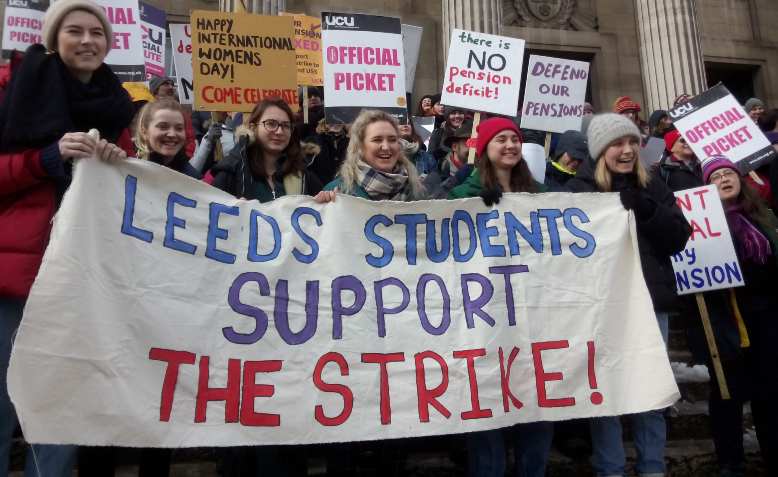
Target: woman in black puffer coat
x: 662, y: 230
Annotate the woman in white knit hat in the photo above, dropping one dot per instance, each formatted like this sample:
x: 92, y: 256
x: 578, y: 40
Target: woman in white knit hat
x: 614, y: 143
x: 57, y: 95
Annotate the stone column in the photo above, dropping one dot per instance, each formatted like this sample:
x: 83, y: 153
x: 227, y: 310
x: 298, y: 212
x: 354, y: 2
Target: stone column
x: 260, y: 7
x: 483, y: 16
x: 671, y: 60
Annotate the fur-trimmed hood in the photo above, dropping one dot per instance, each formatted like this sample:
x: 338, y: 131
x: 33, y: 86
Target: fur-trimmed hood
x: 245, y: 131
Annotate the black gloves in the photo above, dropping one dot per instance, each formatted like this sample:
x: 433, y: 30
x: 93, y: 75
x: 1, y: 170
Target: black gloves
x: 215, y: 132
x: 639, y: 201
x: 491, y: 196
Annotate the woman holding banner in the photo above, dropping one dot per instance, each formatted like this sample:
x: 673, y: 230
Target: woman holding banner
x: 266, y: 162
x: 500, y: 168
x: 614, y: 142
x: 60, y: 92
x: 744, y: 324
x: 161, y: 136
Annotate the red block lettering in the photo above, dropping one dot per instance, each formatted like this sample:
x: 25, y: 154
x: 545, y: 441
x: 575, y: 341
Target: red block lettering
x: 251, y: 390
x: 429, y: 397
x: 230, y: 394
x: 541, y: 376
x: 343, y: 390
x: 505, y: 380
x: 470, y: 355
x: 174, y: 360
x: 382, y: 359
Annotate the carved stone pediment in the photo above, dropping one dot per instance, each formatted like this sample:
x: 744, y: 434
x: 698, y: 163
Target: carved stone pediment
x: 554, y: 14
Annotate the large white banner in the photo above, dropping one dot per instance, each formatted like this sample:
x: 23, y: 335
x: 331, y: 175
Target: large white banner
x: 181, y: 42
x: 168, y: 313
x: 708, y: 262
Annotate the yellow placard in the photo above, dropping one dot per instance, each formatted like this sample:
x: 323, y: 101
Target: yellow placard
x: 307, y: 42
x: 239, y: 59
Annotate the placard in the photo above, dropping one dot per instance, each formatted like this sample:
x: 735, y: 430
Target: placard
x: 715, y: 123
x: 709, y: 261
x: 307, y: 44
x: 411, y: 46
x: 203, y: 320
x: 483, y: 72
x: 153, y: 24
x: 364, y: 67
x: 181, y: 43
x: 554, y: 94
x: 23, y: 23
x: 239, y: 59
x: 126, y: 57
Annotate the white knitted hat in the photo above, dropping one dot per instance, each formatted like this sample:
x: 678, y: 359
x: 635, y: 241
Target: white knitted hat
x: 57, y: 12
x: 606, y: 128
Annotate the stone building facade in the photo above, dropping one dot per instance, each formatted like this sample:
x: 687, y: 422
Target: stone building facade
x: 650, y: 50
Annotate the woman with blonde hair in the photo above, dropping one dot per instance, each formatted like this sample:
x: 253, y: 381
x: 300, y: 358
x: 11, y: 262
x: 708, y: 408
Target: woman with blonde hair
x: 375, y: 167
x: 614, y: 143
x: 160, y: 136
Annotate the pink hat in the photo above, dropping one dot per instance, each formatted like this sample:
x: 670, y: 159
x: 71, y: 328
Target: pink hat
x: 492, y: 127
x: 714, y: 163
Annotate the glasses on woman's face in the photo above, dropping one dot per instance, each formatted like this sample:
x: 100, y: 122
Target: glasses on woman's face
x: 718, y: 175
x: 271, y: 125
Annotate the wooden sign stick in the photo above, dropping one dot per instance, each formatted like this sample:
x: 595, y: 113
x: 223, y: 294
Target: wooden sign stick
x: 473, y: 136
x: 547, y: 146
x: 714, y: 350
x: 305, y: 105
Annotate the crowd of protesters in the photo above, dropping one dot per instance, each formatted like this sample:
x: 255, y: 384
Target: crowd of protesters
x: 272, y: 152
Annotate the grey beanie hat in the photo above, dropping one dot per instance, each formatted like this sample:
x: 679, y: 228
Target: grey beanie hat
x: 57, y: 12
x: 606, y: 128
x: 752, y: 103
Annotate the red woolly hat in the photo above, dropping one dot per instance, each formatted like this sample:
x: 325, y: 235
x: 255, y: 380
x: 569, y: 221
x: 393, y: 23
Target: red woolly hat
x: 670, y: 139
x: 492, y: 127
x: 625, y: 103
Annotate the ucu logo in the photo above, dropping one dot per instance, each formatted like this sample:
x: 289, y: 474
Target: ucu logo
x: 339, y: 21
x: 682, y: 110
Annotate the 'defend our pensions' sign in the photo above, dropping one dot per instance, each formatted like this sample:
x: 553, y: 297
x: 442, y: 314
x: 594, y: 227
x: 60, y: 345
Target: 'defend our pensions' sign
x: 554, y: 94
x: 709, y: 261
x: 153, y: 23
x: 305, y: 322
x: 126, y: 57
x: 483, y: 72
x: 23, y: 23
x: 364, y: 67
x: 239, y: 59
x: 715, y: 123
x: 181, y: 42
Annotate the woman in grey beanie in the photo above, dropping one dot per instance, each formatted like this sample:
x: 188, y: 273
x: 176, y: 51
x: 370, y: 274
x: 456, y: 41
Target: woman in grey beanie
x: 614, y: 144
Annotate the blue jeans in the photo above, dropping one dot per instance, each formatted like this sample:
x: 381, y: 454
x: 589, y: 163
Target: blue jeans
x: 532, y: 445
x: 649, y: 432
x: 42, y: 460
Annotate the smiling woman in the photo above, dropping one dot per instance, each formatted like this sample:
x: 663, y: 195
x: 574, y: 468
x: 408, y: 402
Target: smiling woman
x: 161, y: 135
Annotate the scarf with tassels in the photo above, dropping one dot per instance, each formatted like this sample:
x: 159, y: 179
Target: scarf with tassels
x: 751, y: 243
x: 384, y: 185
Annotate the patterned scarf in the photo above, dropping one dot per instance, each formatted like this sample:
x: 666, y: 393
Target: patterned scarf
x: 749, y: 240
x: 384, y: 185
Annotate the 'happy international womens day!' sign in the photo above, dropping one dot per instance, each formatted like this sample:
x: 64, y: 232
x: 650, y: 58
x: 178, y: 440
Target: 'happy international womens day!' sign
x: 203, y: 320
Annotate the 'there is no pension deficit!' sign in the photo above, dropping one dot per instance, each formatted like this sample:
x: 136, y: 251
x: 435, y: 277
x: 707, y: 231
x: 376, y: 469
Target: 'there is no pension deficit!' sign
x: 240, y: 59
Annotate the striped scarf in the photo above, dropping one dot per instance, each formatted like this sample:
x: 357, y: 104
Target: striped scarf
x: 384, y: 185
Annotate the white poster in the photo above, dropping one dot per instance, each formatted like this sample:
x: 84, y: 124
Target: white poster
x: 126, y: 57
x: 199, y: 319
x: 411, y: 45
x: 483, y: 72
x: 554, y: 94
x: 23, y: 24
x: 714, y: 123
x: 709, y: 261
x: 181, y: 42
x: 364, y: 66
x: 153, y: 25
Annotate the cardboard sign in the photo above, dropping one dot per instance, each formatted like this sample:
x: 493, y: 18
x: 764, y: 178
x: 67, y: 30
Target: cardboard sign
x: 424, y: 125
x: 353, y: 320
x: 307, y: 43
x: 181, y: 42
x: 363, y: 66
x: 411, y: 46
x: 239, y: 59
x: 483, y: 72
x: 554, y: 94
x: 126, y: 57
x: 652, y: 152
x: 23, y: 24
x: 153, y: 24
x: 715, y: 123
x: 709, y: 261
